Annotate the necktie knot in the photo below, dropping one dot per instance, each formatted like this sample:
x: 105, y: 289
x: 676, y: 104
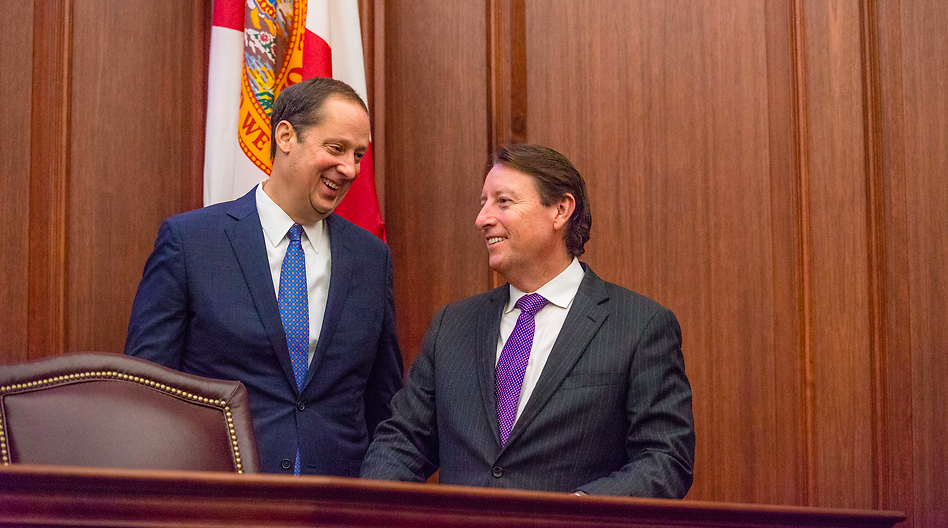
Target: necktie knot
x: 295, y: 233
x: 531, y: 303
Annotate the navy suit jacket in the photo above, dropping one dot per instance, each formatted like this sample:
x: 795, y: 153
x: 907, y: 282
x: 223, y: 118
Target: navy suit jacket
x: 206, y: 305
x: 610, y: 414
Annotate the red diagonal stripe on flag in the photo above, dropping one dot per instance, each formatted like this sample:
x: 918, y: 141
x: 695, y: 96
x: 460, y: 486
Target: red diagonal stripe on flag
x: 317, y: 57
x: 229, y: 14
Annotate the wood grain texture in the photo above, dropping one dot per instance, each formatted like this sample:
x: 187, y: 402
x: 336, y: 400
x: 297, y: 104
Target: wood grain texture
x: 840, y: 339
x: 49, y: 177
x: 896, y: 454
x: 136, y: 134
x: 508, y: 72
x: 924, y: 44
x: 663, y: 106
x: 436, y: 147
x: 787, y: 124
x: 95, y: 497
x: 16, y: 24
x: 876, y: 205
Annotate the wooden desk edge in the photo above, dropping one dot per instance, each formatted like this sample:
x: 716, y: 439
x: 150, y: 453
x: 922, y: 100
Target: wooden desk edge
x: 33, y: 493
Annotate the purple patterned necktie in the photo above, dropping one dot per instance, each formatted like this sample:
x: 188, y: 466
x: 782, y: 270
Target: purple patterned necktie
x: 513, y: 362
x: 294, y: 310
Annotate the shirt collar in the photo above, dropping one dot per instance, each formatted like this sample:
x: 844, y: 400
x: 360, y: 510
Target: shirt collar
x: 560, y: 291
x: 276, y: 222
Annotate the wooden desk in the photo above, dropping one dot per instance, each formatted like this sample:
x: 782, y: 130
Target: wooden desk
x: 61, y: 496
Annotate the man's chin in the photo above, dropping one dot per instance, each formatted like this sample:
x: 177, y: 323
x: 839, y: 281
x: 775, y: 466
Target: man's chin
x: 496, y: 264
x: 322, y: 210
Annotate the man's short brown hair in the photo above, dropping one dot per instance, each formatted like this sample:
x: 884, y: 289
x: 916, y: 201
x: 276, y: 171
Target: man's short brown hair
x: 555, y: 177
x: 301, y: 104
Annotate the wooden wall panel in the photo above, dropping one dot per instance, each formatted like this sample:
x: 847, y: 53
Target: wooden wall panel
x: 137, y: 133
x: 746, y: 164
x: 105, y: 140
x: 436, y: 147
x: 785, y: 116
x: 840, y: 348
x: 925, y: 76
x: 668, y: 119
x: 48, y: 176
x: 16, y: 24
x: 895, y: 456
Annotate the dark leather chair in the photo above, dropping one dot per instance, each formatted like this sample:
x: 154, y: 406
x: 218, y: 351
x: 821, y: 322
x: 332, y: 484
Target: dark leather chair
x: 110, y: 410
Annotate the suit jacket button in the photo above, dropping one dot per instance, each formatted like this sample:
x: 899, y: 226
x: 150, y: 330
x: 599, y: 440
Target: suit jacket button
x: 300, y: 405
x: 286, y: 464
x: 497, y: 471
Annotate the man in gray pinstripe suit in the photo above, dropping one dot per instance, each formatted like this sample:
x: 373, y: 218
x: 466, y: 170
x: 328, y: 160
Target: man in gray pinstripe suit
x: 604, y: 406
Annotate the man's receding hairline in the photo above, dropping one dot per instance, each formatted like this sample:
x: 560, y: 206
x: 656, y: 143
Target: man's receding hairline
x: 319, y: 113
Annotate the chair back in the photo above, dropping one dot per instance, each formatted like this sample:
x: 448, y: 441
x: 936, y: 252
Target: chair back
x: 111, y: 410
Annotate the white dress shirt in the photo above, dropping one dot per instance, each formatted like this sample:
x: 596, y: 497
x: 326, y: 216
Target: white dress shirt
x: 315, y: 242
x: 560, y: 293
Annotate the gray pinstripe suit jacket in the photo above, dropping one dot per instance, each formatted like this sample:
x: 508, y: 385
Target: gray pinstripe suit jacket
x: 611, y: 413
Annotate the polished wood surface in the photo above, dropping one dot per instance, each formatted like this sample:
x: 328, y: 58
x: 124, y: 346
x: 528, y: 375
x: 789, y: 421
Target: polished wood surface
x: 48, y: 174
x: 924, y: 85
x: 105, y: 139
x: 16, y: 23
x: 137, y: 133
x: 42, y: 496
x: 840, y: 338
x: 894, y: 371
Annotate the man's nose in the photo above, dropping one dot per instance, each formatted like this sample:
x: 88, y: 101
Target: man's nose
x: 349, y: 168
x: 483, y: 217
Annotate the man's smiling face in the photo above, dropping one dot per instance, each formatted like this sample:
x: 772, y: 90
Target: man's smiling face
x: 321, y: 161
x: 519, y: 230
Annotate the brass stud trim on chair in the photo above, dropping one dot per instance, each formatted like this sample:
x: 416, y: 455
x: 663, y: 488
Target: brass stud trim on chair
x: 106, y: 375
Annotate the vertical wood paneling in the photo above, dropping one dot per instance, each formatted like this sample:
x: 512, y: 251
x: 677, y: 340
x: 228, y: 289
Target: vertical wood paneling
x: 803, y: 241
x: 436, y: 147
x: 137, y: 111
x: 508, y: 72
x: 840, y: 337
x: 664, y: 107
x: 787, y: 124
x: 50, y: 137
x: 925, y: 76
x: 877, y: 247
x: 16, y: 24
x: 897, y: 455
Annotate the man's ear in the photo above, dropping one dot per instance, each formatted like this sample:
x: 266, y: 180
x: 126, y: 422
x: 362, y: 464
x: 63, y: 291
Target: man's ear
x: 564, y: 210
x: 284, y: 136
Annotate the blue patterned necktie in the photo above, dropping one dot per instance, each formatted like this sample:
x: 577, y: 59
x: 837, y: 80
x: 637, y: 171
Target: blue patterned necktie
x: 513, y: 362
x: 294, y: 310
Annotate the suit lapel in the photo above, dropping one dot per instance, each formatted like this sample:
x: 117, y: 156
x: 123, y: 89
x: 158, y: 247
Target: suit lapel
x: 246, y: 239
x: 488, y: 328
x: 339, y: 281
x: 585, y: 317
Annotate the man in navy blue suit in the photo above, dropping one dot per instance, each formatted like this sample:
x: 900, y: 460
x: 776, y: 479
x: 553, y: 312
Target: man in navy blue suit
x: 210, y: 299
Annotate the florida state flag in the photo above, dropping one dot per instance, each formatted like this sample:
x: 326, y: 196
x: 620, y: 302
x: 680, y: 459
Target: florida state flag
x: 259, y: 47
